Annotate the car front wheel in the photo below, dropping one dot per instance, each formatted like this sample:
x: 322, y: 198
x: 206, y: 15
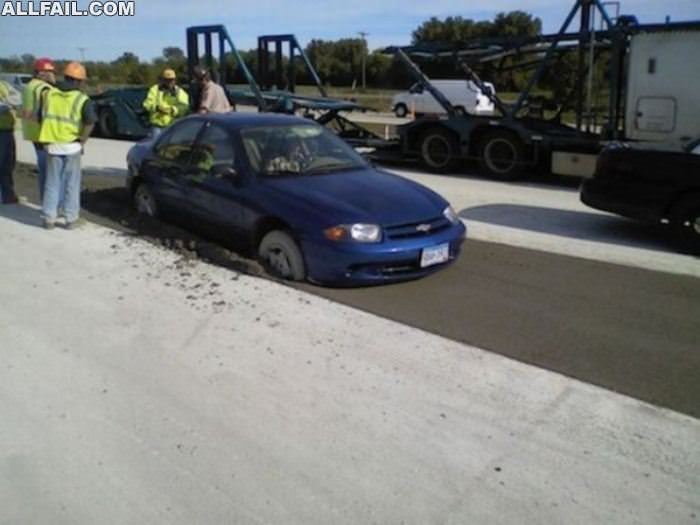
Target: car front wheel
x: 282, y: 256
x: 144, y: 202
x: 685, y: 220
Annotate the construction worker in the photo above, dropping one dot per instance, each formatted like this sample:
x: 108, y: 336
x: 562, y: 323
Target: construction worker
x: 165, y: 102
x: 213, y: 97
x: 33, y: 99
x: 7, y: 146
x: 67, y: 121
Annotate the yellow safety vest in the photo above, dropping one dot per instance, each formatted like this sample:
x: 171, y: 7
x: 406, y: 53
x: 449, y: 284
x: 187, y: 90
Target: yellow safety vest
x: 156, y: 98
x: 31, y: 106
x: 7, y: 120
x: 62, y: 119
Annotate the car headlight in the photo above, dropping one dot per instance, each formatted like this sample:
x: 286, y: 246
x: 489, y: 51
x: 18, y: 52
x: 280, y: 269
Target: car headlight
x: 451, y: 215
x: 354, y: 232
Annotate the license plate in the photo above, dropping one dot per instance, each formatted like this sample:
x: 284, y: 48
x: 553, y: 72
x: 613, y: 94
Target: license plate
x: 435, y: 255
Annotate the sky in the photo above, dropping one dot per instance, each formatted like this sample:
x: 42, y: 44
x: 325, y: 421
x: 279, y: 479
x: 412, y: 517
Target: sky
x: 161, y: 23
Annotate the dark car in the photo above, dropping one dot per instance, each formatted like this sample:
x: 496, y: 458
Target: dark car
x: 652, y: 185
x: 297, y: 195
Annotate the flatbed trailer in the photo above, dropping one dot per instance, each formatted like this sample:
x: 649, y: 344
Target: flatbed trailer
x: 515, y: 137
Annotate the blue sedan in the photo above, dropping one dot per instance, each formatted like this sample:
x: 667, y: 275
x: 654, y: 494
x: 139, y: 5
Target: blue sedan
x: 298, y: 196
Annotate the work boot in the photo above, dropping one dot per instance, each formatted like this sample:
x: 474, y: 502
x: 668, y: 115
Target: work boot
x: 49, y: 224
x: 74, y: 225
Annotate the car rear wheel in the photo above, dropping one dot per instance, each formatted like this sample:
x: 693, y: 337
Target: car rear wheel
x: 401, y: 110
x: 108, y: 123
x: 439, y: 150
x: 144, y: 201
x: 685, y: 220
x: 501, y: 156
x: 282, y: 256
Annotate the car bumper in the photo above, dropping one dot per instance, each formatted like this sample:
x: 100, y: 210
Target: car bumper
x: 629, y: 200
x: 349, y: 264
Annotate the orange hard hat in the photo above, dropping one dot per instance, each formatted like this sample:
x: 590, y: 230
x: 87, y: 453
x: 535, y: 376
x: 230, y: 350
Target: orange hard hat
x: 75, y: 70
x: 43, y: 64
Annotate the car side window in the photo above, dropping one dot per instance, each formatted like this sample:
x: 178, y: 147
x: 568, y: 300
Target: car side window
x: 214, y: 152
x: 178, y: 144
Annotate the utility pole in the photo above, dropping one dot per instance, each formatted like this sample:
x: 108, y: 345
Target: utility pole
x: 82, y: 53
x: 364, y: 36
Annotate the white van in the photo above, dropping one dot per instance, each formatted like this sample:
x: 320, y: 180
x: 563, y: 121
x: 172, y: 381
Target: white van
x: 464, y: 95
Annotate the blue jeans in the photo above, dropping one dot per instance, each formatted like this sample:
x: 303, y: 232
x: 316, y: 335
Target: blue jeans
x: 41, y: 159
x: 63, y: 178
x: 7, y: 165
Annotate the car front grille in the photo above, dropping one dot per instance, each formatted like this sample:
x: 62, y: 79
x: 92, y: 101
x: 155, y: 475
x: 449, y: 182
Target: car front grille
x: 417, y: 229
x: 388, y: 269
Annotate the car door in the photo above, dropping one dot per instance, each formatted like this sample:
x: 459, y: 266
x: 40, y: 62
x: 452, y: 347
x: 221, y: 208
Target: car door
x: 164, y: 169
x: 212, y: 186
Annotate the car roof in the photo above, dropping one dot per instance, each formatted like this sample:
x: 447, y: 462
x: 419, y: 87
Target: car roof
x: 239, y: 120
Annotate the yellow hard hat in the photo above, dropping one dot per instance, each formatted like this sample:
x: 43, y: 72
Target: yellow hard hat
x: 75, y: 70
x: 168, y: 74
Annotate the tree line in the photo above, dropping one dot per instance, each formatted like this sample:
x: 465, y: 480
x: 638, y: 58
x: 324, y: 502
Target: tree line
x: 339, y: 62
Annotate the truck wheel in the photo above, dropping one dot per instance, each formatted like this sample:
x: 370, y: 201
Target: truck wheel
x: 501, y: 155
x: 401, y: 110
x: 439, y: 150
x: 108, y: 123
x: 144, y: 202
x: 279, y: 253
x: 685, y: 221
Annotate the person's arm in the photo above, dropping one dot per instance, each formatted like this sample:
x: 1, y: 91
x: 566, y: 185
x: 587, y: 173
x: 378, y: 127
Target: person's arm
x: 205, y: 102
x: 150, y: 104
x: 89, y: 119
x: 182, y: 106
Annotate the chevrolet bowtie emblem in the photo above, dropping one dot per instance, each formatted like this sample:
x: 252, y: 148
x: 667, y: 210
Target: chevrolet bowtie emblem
x: 423, y: 228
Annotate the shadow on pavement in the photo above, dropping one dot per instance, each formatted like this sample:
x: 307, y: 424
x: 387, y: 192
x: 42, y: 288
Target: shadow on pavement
x: 572, y: 224
x: 21, y: 213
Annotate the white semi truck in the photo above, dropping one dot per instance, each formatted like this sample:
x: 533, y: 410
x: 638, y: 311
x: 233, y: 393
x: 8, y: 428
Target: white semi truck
x: 663, y: 87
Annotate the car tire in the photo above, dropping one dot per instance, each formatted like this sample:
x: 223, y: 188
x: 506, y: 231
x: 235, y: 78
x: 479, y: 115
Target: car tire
x: 501, y: 156
x: 144, y: 201
x: 439, y: 150
x: 400, y: 110
x: 107, y: 123
x: 282, y: 256
x: 685, y: 221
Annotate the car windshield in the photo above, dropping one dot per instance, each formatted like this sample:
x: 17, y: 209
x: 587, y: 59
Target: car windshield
x: 300, y: 149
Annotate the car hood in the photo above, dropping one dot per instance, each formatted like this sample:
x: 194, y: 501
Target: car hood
x: 365, y: 195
